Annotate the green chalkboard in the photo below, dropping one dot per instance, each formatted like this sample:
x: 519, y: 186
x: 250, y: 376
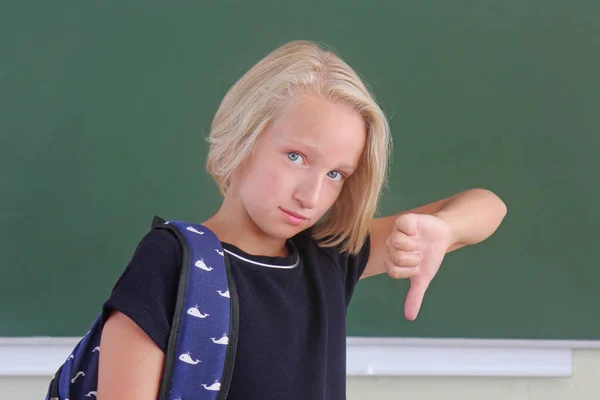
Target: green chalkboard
x: 105, y: 106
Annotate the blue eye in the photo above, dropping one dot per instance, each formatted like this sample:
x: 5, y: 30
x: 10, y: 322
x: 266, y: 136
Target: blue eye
x: 295, y: 157
x: 335, y: 175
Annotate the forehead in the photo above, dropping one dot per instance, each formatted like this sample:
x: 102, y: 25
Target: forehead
x: 333, y: 129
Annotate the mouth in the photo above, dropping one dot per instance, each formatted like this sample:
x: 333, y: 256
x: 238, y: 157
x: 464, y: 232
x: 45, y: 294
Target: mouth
x: 293, y: 214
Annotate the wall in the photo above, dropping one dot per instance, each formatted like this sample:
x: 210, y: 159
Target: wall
x: 582, y: 385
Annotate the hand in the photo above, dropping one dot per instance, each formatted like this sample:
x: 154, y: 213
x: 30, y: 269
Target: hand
x: 416, y: 249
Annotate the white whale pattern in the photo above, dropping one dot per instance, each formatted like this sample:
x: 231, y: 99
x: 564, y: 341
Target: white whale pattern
x: 186, y: 358
x: 200, y: 264
x: 92, y: 393
x: 223, y: 340
x: 195, y: 312
x: 215, y: 386
x: 80, y: 373
x: 192, y: 229
x: 97, y: 348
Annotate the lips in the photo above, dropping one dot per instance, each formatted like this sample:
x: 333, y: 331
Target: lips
x: 299, y: 216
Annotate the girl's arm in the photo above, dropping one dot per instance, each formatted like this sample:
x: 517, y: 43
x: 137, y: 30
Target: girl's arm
x: 471, y: 216
x: 130, y: 362
x: 413, y: 244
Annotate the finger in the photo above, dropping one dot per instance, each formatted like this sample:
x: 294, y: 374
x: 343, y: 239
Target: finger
x: 396, y: 272
x: 401, y: 241
x: 406, y: 259
x: 414, y: 299
x: 408, y: 224
x: 403, y: 258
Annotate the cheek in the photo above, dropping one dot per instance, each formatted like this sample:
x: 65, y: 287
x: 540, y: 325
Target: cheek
x: 331, y: 196
x: 264, y: 184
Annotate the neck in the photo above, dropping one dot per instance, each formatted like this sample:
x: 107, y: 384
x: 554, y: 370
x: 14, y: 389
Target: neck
x: 233, y: 225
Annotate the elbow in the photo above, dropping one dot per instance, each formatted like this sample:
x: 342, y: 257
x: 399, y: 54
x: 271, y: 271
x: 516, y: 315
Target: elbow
x: 494, y: 203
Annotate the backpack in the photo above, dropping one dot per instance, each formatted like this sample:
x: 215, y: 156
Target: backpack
x: 203, y: 338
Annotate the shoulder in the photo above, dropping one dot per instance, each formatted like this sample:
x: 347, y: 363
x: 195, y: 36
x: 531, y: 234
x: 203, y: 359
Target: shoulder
x: 349, y: 266
x: 159, y: 252
x: 147, y: 289
x: 305, y: 241
x: 160, y: 241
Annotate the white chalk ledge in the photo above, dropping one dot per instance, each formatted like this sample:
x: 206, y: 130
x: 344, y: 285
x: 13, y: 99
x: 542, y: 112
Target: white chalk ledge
x: 41, y: 356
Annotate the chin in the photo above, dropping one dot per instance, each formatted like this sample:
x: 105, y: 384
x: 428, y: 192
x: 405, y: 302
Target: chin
x: 280, y: 230
x: 284, y: 233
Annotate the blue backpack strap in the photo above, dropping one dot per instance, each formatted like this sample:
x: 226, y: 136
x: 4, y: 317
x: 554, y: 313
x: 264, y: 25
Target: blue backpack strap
x: 203, y: 338
x: 77, y: 377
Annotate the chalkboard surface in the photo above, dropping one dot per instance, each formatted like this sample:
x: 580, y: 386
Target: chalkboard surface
x: 105, y: 106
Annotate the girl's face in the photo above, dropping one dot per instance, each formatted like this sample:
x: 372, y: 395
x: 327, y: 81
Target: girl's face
x: 299, y: 166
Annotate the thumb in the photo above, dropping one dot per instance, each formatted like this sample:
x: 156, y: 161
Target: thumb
x: 414, y: 299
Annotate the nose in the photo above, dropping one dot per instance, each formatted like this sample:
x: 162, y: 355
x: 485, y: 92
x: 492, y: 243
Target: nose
x: 309, y: 191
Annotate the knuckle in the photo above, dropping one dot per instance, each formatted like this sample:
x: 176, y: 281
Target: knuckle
x: 397, y: 241
x: 400, y: 259
x: 397, y: 274
x: 393, y: 271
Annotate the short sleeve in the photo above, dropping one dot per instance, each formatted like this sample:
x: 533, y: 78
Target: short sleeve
x: 350, y: 266
x: 147, y: 290
x: 356, y: 265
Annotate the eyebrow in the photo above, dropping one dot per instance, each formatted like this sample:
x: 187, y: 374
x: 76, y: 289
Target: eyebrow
x: 301, y: 143
x: 349, y: 167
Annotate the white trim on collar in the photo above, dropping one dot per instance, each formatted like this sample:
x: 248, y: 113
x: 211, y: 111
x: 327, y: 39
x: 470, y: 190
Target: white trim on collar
x: 294, y: 265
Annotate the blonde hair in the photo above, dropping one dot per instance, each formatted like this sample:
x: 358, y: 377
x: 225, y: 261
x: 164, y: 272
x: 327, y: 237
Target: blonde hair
x: 265, y: 92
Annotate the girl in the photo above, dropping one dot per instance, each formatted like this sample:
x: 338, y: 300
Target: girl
x: 299, y: 149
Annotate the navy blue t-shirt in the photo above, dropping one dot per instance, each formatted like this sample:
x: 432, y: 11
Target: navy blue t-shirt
x: 292, y: 337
